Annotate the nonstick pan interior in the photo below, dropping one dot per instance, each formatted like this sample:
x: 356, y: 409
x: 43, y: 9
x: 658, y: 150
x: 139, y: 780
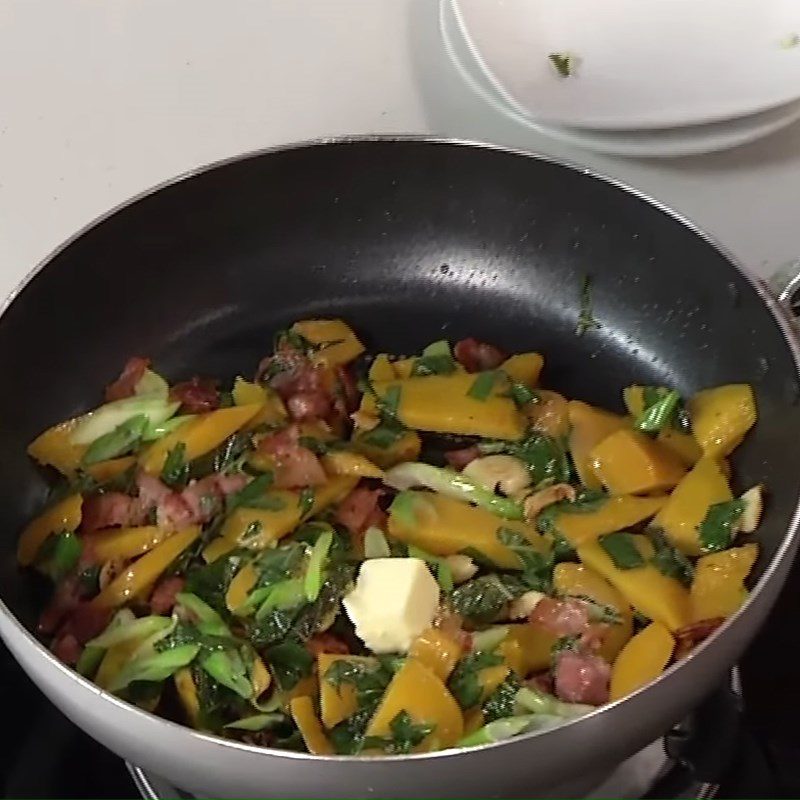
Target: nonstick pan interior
x: 410, y: 241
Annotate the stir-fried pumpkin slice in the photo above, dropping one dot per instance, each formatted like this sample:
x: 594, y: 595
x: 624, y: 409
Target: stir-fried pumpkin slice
x: 578, y: 580
x: 199, y: 435
x: 437, y: 651
x: 63, y: 516
x: 681, y: 516
x: 416, y: 690
x: 444, y: 527
x: 657, y: 596
x: 630, y: 462
x: 524, y: 368
x: 459, y: 403
x: 125, y: 543
x: 145, y: 571
x: 549, y: 415
x: 683, y: 445
x: 527, y: 648
x: 642, y: 660
x: 54, y: 447
x: 606, y: 516
x: 590, y: 426
x: 304, y: 716
x: 259, y: 527
x: 335, y: 343
x: 718, y: 587
x: 337, y: 703
x: 385, y: 453
x: 721, y: 417
x: 273, y: 411
x: 187, y: 694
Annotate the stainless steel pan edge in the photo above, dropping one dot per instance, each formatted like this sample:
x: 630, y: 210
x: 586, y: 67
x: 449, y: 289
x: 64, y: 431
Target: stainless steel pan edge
x: 605, y: 737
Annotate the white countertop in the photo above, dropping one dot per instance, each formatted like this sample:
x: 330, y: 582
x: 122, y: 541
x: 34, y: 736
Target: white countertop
x: 100, y: 99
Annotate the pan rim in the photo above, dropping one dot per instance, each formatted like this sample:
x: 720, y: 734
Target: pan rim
x: 779, y: 315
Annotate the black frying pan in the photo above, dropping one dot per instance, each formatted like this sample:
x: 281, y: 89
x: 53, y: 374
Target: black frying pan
x: 409, y: 240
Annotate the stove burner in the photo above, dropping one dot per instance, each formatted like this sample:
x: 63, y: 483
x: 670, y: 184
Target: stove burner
x: 686, y: 763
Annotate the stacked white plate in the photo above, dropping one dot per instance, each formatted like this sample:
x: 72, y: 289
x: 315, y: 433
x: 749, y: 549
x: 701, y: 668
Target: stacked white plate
x: 645, y: 77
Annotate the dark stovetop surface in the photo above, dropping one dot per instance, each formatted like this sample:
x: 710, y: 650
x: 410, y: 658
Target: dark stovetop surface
x: 44, y: 755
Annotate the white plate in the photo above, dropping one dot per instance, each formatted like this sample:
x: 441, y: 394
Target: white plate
x: 641, y: 63
x: 657, y: 143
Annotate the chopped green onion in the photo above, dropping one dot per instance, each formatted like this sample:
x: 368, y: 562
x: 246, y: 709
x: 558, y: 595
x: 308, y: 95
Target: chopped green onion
x: 110, y: 416
x: 436, y: 359
x: 586, y: 320
x: 659, y: 415
x: 156, y: 667
x: 315, y: 572
x: 151, y: 383
x: 226, y: 667
x: 482, y: 386
x: 89, y: 660
x: 390, y: 401
x: 537, y: 702
x: 208, y: 620
x: 384, y: 435
x: 254, y: 496
x: 452, y: 484
x: 116, y: 442
x: 285, y: 594
x: 375, y: 544
x: 140, y: 628
x: 175, y: 471
x: 59, y: 555
x: 521, y: 394
x: 505, y: 728
x: 488, y: 639
x: 257, y: 722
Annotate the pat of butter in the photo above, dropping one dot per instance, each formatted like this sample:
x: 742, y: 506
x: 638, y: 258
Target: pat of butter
x: 393, y: 601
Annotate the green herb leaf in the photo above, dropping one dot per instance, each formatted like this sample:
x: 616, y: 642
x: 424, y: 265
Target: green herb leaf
x: 537, y: 568
x: 117, y: 442
x: 586, y: 502
x: 544, y: 456
x: 348, y: 736
x: 481, y: 599
x: 253, y: 496
x: 175, y: 471
x: 464, y: 683
x: 564, y: 644
x: 482, y: 385
x: 405, y: 735
x: 718, y: 529
x: 368, y: 680
x: 563, y: 63
x: 586, y: 320
x: 306, y: 500
x: 205, y: 617
x: 621, y: 548
x: 502, y: 700
x: 210, y: 582
x: 290, y: 663
x: 668, y: 560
